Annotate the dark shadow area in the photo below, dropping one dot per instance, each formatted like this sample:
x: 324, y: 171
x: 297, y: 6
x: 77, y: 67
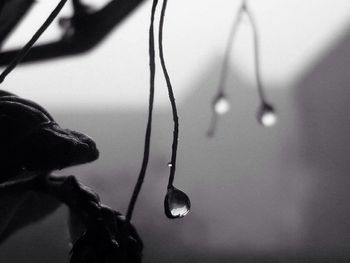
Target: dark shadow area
x: 322, y: 98
x: 42, y: 242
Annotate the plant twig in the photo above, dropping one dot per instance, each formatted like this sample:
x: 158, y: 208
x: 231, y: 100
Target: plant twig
x: 171, y: 98
x: 89, y: 31
x: 147, y: 145
x: 32, y: 41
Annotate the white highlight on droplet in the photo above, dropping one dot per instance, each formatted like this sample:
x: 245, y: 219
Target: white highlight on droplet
x: 267, y: 115
x: 221, y: 105
x: 269, y: 119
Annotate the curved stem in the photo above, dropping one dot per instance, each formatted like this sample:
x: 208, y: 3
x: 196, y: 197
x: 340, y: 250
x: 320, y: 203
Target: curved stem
x: 224, y: 69
x: 257, y: 62
x: 171, y: 98
x: 24, y: 51
x: 213, y: 123
x: 228, y: 50
x: 147, y: 145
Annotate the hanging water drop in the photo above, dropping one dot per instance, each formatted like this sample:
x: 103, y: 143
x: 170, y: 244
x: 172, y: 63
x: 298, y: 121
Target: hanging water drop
x: 170, y: 164
x: 266, y: 115
x: 221, y: 104
x: 176, y: 203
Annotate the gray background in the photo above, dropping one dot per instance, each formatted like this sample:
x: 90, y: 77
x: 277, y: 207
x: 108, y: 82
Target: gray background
x: 267, y: 195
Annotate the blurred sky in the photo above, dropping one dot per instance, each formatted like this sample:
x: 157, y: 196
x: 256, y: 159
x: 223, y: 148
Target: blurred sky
x: 293, y: 35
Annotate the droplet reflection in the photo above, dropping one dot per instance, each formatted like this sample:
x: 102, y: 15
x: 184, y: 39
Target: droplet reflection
x: 170, y: 164
x: 176, y: 203
x: 267, y: 115
x: 221, y: 105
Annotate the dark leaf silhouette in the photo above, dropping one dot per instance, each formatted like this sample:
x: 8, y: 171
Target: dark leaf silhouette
x: 31, y: 139
x: 108, y: 239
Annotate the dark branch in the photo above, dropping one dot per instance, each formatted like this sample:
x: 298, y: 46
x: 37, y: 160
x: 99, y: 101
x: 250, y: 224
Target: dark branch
x: 24, y: 51
x: 11, y: 13
x: 89, y: 30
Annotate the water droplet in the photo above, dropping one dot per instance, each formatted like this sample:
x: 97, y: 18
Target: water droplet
x: 170, y: 164
x: 267, y: 115
x: 176, y: 203
x: 221, y: 105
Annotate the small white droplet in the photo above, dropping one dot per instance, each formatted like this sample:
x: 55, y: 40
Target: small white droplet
x: 221, y: 105
x: 170, y: 164
x: 267, y: 115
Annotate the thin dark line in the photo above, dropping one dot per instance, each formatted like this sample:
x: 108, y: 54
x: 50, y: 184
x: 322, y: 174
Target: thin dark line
x: 257, y: 63
x: 171, y: 97
x: 213, y: 124
x: 24, y: 51
x: 152, y: 66
x: 224, y: 70
x: 227, y: 54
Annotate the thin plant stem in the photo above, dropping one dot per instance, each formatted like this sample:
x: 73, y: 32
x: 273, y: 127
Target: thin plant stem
x: 227, y: 54
x: 171, y: 98
x: 224, y: 70
x: 147, y: 144
x: 24, y: 51
x: 256, y: 43
x: 213, y: 124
